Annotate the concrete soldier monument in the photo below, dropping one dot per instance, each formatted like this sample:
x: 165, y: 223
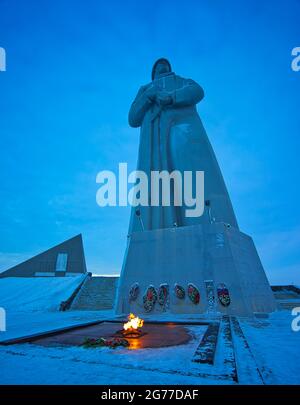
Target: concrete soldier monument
x: 179, y: 259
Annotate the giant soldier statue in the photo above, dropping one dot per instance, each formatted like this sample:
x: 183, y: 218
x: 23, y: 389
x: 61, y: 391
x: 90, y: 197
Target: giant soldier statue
x: 173, y: 138
x: 174, y: 262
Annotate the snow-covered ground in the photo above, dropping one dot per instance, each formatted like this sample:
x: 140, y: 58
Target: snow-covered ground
x: 19, y: 324
x: 35, y: 364
x: 31, y: 294
x: 276, y: 347
x: 38, y: 365
x: 273, y: 355
x: 273, y: 344
x: 31, y: 305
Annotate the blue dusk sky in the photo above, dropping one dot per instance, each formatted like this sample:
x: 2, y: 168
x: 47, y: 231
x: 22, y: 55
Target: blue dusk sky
x: 73, y: 69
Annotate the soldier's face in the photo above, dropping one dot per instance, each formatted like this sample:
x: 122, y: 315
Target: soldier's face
x: 161, y: 68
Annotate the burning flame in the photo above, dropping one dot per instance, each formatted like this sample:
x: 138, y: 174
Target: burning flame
x: 134, y: 322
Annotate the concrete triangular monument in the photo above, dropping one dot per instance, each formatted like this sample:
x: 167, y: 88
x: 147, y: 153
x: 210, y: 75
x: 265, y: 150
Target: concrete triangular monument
x: 65, y: 259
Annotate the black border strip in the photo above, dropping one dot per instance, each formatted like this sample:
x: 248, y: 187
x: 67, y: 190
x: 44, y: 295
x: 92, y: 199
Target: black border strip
x: 101, y: 392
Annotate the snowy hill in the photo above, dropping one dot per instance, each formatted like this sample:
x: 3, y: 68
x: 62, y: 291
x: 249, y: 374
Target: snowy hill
x: 36, y: 293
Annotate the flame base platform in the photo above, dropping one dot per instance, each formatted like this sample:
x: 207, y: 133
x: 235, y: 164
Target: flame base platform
x: 152, y: 335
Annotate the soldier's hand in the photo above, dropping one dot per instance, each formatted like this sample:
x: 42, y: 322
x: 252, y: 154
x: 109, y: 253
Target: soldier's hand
x: 151, y: 93
x: 164, y: 98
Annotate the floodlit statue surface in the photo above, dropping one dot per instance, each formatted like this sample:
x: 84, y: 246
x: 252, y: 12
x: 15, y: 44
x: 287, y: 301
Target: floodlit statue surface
x: 175, y: 263
x: 173, y: 138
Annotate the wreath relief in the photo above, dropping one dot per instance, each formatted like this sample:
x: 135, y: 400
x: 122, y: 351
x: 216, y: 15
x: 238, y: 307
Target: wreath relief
x: 149, y: 298
x: 163, y: 295
x: 179, y: 291
x: 134, y: 292
x: 193, y: 294
x: 223, y: 295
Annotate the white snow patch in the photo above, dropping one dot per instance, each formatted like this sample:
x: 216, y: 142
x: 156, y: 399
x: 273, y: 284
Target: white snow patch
x: 31, y: 305
x: 275, y: 347
x: 34, y: 364
x: 36, y: 293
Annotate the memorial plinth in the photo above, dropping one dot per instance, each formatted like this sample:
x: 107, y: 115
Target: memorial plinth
x: 205, y: 256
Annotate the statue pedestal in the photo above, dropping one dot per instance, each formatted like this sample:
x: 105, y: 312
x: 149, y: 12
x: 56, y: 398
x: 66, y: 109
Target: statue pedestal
x: 202, y: 255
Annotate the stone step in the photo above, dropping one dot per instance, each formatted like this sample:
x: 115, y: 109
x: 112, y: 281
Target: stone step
x: 289, y: 304
x: 96, y: 294
x: 286, y: 296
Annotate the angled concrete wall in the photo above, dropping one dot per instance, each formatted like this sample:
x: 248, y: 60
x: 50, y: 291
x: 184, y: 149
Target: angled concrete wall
x: 45, y: 263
